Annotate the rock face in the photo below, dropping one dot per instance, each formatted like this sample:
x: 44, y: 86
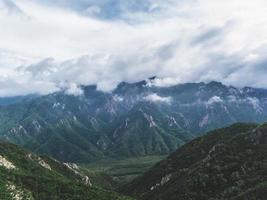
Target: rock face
x: 5, y: 163
x: 136, y: 119
x: 24, y: 175
x: 228, y: 163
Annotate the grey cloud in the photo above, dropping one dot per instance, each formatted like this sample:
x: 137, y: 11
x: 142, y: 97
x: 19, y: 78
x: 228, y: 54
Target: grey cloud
x: 167, y: 51
x: 13, y: 87
x: 250, y: 75
x: 109, y: 9
x: 179, y: 41
x: 9, y: 7
x: 207, y: 36
x: 88, y: 70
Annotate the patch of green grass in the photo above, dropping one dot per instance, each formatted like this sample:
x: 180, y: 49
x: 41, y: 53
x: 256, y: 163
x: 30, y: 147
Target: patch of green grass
x: 124, y: 170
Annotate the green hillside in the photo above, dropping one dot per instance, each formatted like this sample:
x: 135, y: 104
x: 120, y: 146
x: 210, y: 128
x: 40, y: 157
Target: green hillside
x: 134, y: 120
x: 228, y: 163
x: 24, y: 175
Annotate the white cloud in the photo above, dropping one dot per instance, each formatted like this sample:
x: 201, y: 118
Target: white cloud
x: 156, y: 98
x: 73, y: 89
x: 177, y: 40
x: 118, y: 98
x: 92, y: 10
x: 7, y: 7
x: 214, y: 99
x: 163, y: 82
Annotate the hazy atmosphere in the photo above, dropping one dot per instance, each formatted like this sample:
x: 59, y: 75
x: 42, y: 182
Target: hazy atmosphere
x: 133, y: 99
x: 49, y: 45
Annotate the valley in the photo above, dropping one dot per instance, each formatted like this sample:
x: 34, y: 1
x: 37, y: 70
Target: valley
x: 228, y: 163
x: 135, y: 120
x: 120, y: 141
x: 24, y: 175
x: 123, y: 171
x: 133, y: 100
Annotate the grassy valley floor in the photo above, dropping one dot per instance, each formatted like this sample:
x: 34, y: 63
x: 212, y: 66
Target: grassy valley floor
x: 125, y: 170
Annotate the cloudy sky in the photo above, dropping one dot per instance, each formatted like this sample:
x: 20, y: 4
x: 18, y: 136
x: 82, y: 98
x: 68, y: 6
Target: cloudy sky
x: 47, y: 45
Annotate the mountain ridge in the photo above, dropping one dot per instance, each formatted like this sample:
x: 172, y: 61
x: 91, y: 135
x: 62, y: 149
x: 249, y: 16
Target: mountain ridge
x: 228, y: 163
x: 24, y: 175
x: 91, y: 125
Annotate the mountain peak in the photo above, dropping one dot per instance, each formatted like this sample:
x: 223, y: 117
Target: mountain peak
x: 215, y: 84
x: 152, y: 78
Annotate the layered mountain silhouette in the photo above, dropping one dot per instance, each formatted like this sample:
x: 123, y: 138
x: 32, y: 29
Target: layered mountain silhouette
x: 135, y: 119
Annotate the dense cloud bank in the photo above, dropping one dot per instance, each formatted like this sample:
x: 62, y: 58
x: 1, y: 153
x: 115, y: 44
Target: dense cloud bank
x: 49, y: 45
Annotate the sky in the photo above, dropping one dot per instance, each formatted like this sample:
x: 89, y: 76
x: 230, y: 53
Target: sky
x: 50, y: 45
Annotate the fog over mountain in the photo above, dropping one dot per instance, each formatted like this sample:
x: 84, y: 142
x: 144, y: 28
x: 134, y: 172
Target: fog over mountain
x: 49, y: 45
x: 135, y: 119
x: 94, y: 93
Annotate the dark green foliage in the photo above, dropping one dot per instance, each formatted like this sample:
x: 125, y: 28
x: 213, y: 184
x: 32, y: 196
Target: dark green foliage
x: 229, y: 163
x: 121, y: 171
x: 34, y: 181
x: 125, y: 123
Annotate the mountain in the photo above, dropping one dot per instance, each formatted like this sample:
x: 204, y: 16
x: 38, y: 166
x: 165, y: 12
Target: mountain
x: 14, y: 100
x: 135, y: 119
x: 24, y: 175
x: 228, y: 163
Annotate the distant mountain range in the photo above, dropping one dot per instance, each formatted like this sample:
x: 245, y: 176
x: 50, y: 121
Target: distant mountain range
x: 228, y: 163
x: 135, y: 119
x: 24, y: 175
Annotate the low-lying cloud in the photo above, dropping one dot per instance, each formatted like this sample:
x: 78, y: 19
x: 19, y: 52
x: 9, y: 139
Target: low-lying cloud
x: 47, y: 46
x: 158, y: 99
